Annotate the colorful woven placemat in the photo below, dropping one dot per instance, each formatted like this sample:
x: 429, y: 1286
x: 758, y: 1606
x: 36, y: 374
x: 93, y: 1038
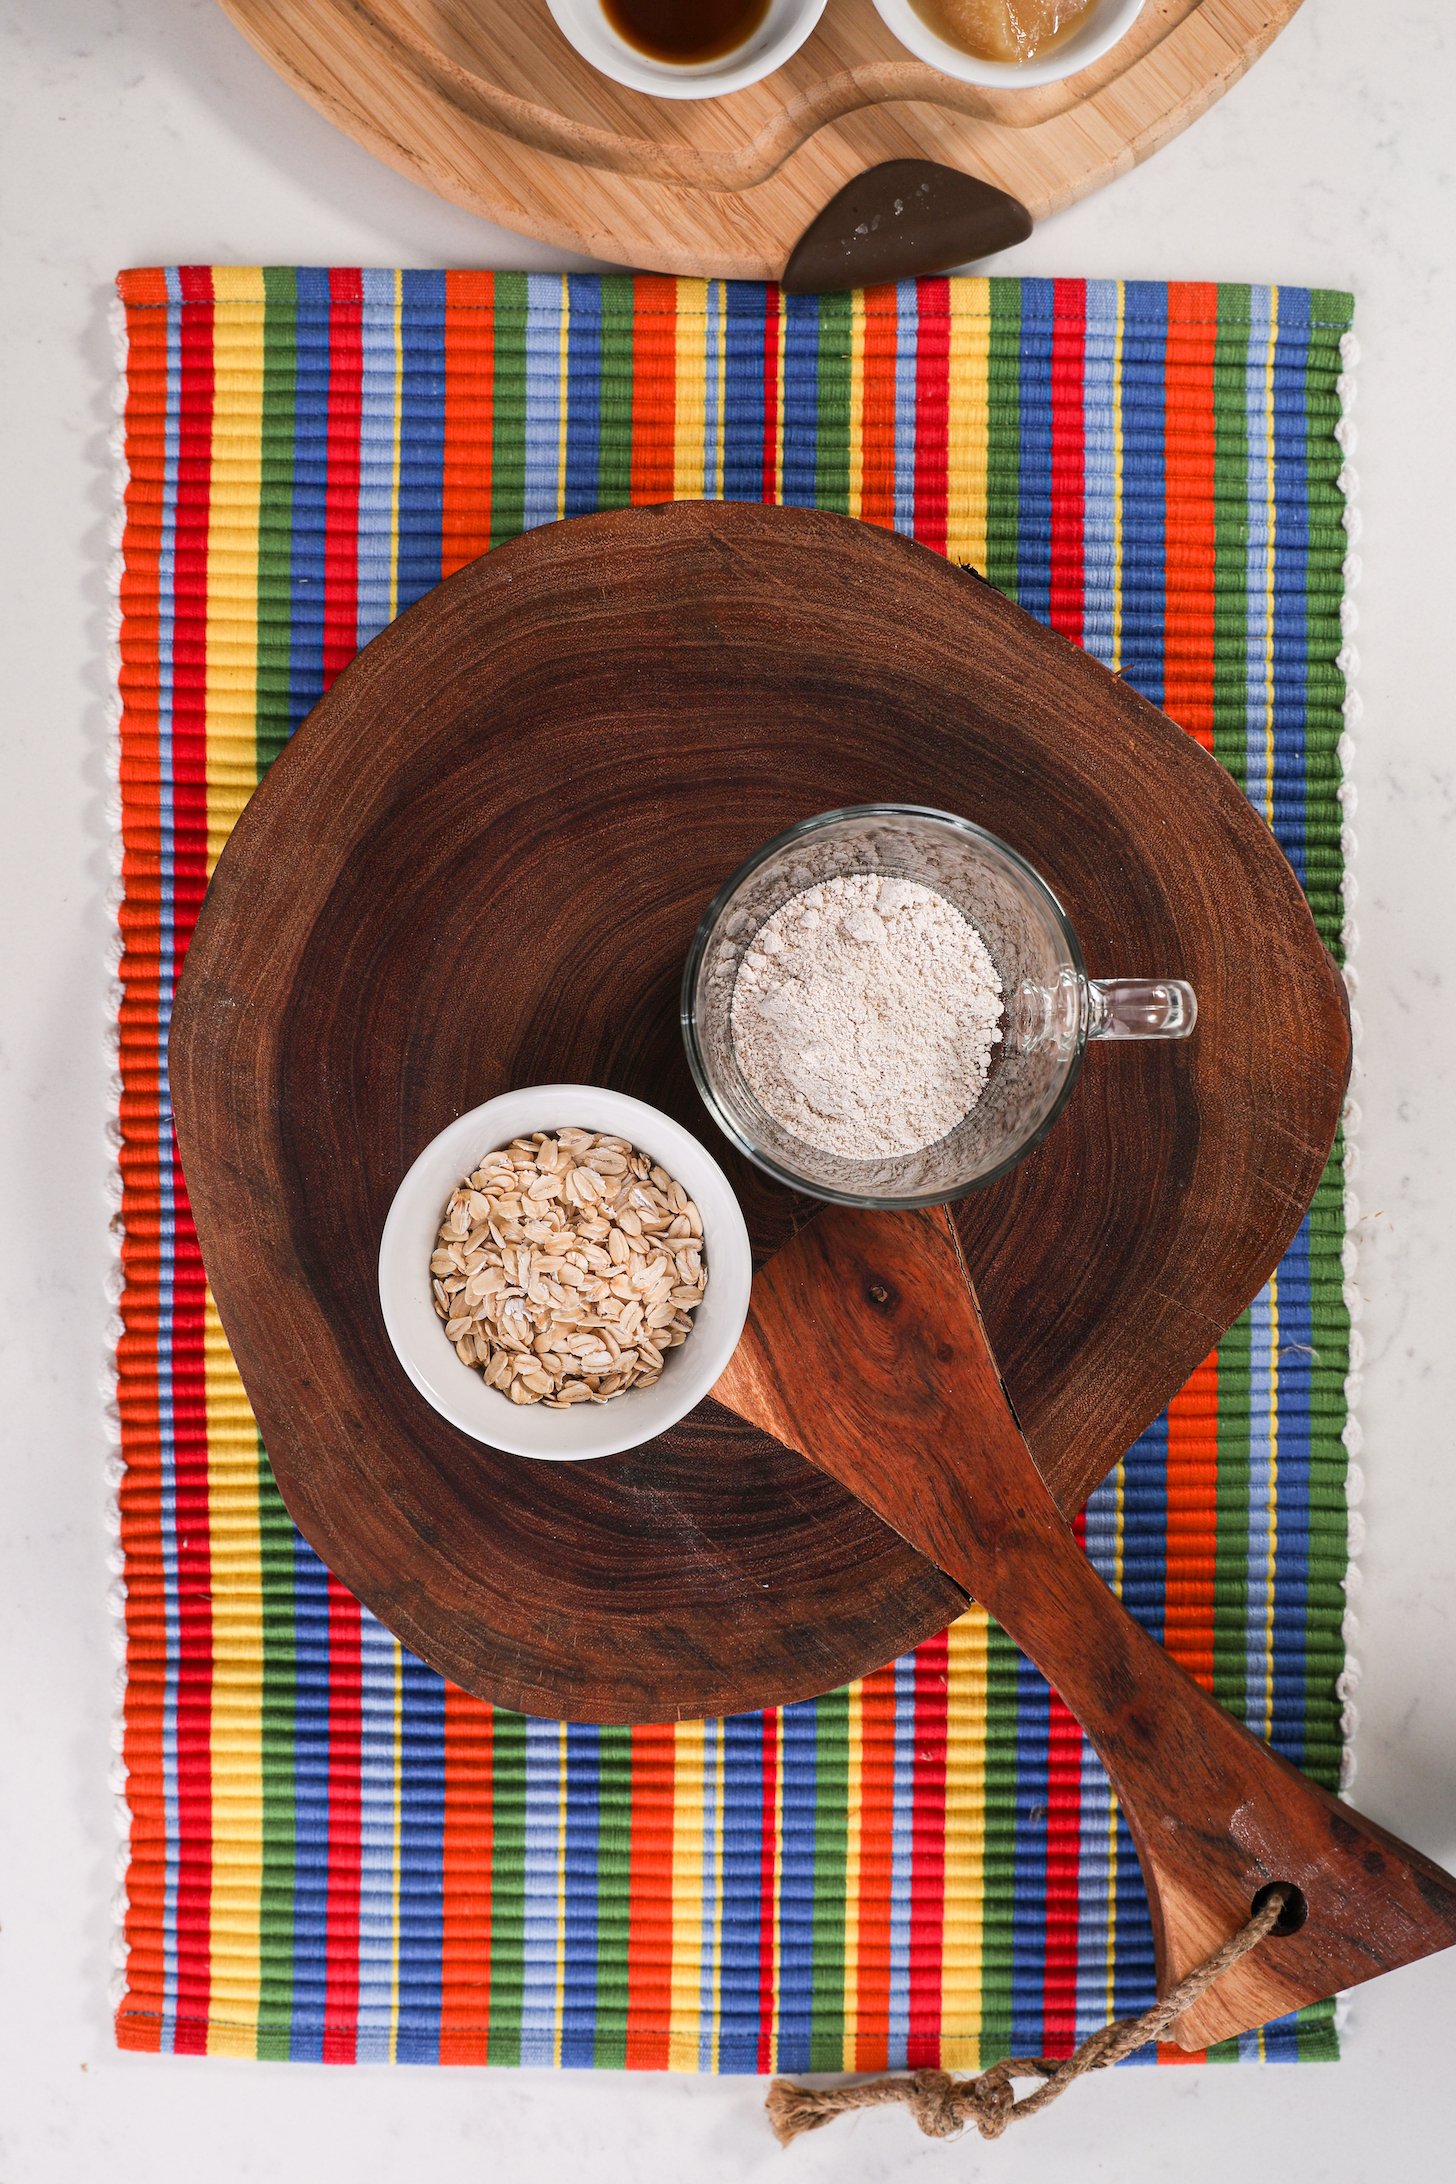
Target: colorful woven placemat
x: 332, y: 1853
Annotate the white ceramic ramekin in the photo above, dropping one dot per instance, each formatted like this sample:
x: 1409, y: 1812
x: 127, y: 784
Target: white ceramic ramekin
x: 783, y: 30
x: 1108, y: 21
x: 584, y: 1429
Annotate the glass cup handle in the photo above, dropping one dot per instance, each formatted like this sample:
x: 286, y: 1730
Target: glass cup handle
x: 1140, y: 1008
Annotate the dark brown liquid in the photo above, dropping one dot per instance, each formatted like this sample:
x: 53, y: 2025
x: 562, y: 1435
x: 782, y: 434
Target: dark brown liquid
x: 685, y: 30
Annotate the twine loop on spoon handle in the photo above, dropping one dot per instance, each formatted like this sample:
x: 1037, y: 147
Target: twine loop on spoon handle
x: 943, y: 2105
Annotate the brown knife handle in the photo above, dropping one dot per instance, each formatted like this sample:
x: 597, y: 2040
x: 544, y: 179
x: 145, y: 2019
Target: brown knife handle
x: 1216, y: 1815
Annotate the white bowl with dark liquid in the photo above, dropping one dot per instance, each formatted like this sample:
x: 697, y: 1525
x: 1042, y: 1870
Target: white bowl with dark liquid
x: 766, y: 45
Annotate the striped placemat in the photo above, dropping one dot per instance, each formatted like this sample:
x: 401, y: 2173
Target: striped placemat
x: 333, y: 1854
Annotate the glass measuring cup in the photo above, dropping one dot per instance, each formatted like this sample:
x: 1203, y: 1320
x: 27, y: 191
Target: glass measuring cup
x: 1052, y: 1008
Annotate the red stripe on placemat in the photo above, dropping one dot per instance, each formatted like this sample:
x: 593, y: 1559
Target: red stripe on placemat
x: 341, y: 493
x: 772, y: 319
x: 466, y: 1849
x: 189, y: 1402
x: 654, y: 386
x: 768, y: 1905
x: 871, y: 2031
x: 1188, y: 473
x: 340, y: 643
x: 1069, y: 343
x: 927, y: 1834
x: 469, y: 418
x: 1192, y: 1549
x: 1063, y: 1865
x: 877, y: 412
x: 932, y: 414
x: 649, y: 1916
x: 341, y: 1935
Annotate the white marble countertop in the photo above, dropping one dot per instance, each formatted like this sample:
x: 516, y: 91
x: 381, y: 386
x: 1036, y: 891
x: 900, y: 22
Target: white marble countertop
x: 139, y: 131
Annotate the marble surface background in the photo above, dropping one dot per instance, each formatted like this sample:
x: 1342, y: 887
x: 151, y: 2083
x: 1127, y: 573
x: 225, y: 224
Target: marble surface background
x: 137, y: 131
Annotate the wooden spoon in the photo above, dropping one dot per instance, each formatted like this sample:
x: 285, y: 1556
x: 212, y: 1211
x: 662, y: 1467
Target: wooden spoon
x: 864, y: 1350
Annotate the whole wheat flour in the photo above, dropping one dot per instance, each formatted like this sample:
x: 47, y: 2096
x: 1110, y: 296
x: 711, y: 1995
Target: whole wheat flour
x: 864, y: 1016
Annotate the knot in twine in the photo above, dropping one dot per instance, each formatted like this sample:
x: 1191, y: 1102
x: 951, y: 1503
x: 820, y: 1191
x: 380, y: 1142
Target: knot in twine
x: 943, y: 2105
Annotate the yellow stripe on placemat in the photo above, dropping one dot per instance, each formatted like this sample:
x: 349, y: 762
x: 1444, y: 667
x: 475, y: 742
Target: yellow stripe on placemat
x: 236, y: 1751
x: 722, y: 403
x: 398, y: 429
x: 1115, y: 661
x: 687, y: 1897
x: 689, y: 394
x: 563, y: 394
x: 854, y: 1776
x: 1271, y: 519
x: 231, y: 671
x: 968, y: 422
x: 782, y: 349
x: 712, y: 1979
x: 232, y: 552
x: 965, y: 1842
x: 1119, y: 1477
x: 855, y: 465
x: 563, y: 1784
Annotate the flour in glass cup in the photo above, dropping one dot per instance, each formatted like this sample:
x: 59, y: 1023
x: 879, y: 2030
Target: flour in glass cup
x: 865, y: 1014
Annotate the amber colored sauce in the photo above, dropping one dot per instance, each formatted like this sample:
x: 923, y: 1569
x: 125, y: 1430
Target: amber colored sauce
x: 1003, y: 30
x: 685, y: 31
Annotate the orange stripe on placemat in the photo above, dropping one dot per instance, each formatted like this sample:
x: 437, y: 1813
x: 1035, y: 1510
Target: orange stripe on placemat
x: 649, y: 1920
x: 654, y: 386
x: 139, y: 2020
x: 1192, y: 1522
x: 871, y: 2030
x: 469, y: 418
x: 466, y: 1850
x: 144, y: 287
x: 1188, y: 465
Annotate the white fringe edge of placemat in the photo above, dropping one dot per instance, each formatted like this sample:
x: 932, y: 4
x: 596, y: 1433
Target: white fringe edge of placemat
x: 1348, y: 661
x: 111, y: 1414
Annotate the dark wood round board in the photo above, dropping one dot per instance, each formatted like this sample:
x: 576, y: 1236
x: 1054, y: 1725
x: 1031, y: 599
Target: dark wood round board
x: 480, y: 863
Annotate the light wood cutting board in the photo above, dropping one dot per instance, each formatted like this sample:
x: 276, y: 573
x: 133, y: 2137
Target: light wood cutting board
x: 484, y: 102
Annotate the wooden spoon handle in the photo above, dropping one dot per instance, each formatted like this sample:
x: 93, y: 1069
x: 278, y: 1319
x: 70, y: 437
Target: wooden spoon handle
x: 1216, y: 1815
x: 864, y: 1349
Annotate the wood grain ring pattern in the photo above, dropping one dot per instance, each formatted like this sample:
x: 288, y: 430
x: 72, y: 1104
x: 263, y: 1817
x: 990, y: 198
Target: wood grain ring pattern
x: 480, y: 862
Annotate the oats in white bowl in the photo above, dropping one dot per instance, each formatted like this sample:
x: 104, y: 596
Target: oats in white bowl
x: 566, y: 1267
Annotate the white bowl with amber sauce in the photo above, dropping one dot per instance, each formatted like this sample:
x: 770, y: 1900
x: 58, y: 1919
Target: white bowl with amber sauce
x: 584, y: 1429
x: 1104, y: 23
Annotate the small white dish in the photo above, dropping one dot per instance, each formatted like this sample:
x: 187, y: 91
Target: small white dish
x: 1105, y: 24
x: 583, y: 23
x: 584, y: 1429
